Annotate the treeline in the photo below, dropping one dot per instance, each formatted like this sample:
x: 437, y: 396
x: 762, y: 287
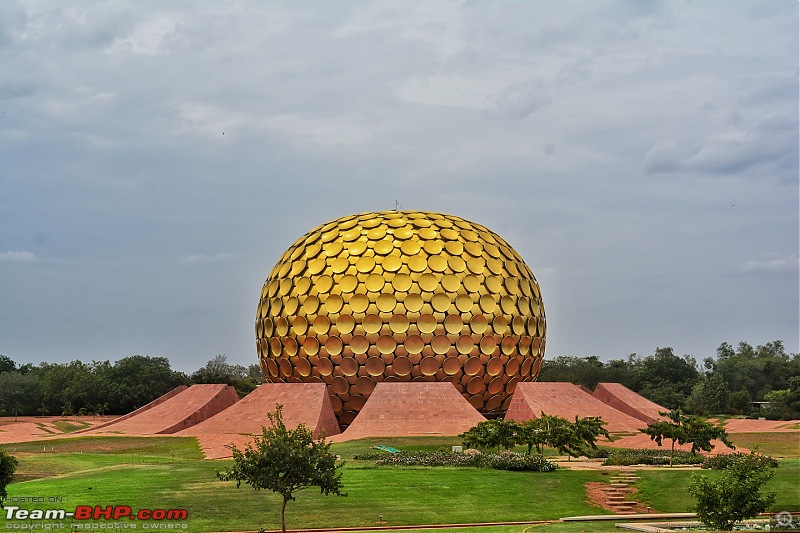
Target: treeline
x: 729, y: 383
x: 104, y: 388
x: 732, y: 382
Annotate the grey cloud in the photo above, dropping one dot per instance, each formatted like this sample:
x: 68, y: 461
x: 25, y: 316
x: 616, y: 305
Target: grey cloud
x: 521, y: 100
x: 167, y: 155
x: 772, y: 265
x: 14, y: 256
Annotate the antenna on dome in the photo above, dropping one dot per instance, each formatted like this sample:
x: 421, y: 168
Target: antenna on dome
x: 397, y: 206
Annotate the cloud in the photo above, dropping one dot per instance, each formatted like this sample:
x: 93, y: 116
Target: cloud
x: 339, y: 131
x: 14, y: 256
x: 151, y: 37
x: 616, y: 135
x: 774, y: 265
x: 735, y: 146
x: 521, y: 100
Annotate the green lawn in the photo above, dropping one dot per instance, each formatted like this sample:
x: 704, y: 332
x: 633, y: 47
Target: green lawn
x: 401, y: 496
x: 667, y: 490
x: 777, y: 444
x: 162, y: 472
x: 169, y: 472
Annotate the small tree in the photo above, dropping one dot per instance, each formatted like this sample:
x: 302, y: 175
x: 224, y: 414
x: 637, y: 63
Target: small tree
x: 682, y: 429
x: 734, y: 496
x: 285, y: 461
x: 533, y: 432
x: 491, y: 434
x: 8, y: 464
x: 588, y: 429
x: 561, y: 435
x: 556, y: 432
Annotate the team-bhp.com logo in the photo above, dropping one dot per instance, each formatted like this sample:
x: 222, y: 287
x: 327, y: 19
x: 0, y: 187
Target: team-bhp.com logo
x: 95, y: 512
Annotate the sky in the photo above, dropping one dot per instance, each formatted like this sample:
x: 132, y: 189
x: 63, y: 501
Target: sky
x: 157, y: 158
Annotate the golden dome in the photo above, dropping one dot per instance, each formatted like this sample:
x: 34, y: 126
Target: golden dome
x: 401, y: 296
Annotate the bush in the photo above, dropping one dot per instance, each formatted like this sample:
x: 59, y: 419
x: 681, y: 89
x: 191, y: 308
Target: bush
x: 597, y: 453
x: 8, y: 464
x: 627, y: 457
x: 735, y: 495
x: 502, y: 461
x: 752, y: 459
x: 372, y: 456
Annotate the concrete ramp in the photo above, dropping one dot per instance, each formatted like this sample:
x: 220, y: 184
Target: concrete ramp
x: 623, y: 399
x: 182, y: 410
x: 566, y: 400
x: 161, y: 399
x: 306, y: 403
x: 412, y: 409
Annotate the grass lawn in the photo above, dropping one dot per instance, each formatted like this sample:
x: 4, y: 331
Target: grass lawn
x: 68, y: 426
x: 169, y: 472
x: 165, y: 473
x: 667, y: 490
x: 777, y: 444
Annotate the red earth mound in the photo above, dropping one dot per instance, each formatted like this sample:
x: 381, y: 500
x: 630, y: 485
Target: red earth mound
x: 306, y: 403
x: 182, y: 410
x: 623, y: 399
x: 566, y: 400
x: 413, y: 409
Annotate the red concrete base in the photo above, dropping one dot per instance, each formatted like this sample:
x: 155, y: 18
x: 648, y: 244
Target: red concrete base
x: 566, y: 400
x: 412, y: 409
x: 623, y: 399
x: 158, y: 401
x: 306, y: 403
x: 180, y: 411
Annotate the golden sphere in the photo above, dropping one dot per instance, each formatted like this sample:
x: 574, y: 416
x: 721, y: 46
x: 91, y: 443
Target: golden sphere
x: 401, y: 296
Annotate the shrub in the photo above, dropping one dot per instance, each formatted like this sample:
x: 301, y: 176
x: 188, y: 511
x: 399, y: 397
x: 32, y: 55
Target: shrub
x: 372, y: 456
x: 502, y: 461
x: 734, y: 496
x: 627, y: 457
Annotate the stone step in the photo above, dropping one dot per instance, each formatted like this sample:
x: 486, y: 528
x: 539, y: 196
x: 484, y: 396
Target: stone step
x: 616, y: 498
x: 621, y: 504
x: 619, y: 485
x: 624, y: 490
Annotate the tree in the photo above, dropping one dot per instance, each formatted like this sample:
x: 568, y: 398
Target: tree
x: 588, y: 429
x: 491, y: 434
x: 19, y: 393
x: 8, y: 464
x: 785, y: 404
x: 7, y: 364
x: 666, y: 378
x: 734, y: 496
x: 532, y: 432
x: 285, y: 461
x: 710, y: 396
x: 682, y: 429
x: 217, y: 370
x: 559, y: 433
x: 138, y: 380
